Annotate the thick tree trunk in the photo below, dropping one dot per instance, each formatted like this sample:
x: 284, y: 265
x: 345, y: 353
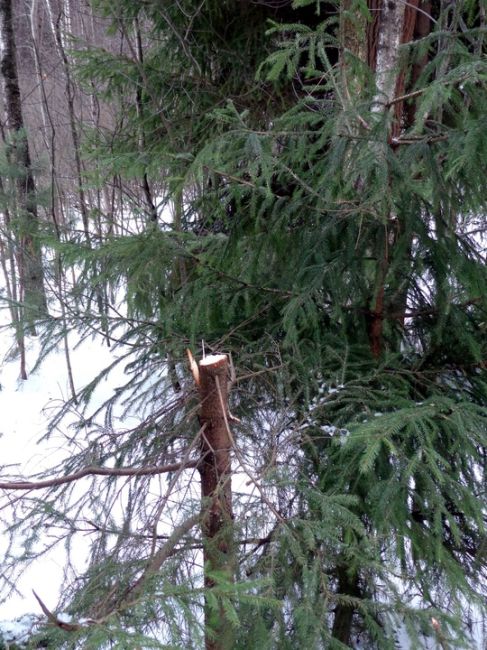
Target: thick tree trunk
x: 30, y: 257
x: 216, y: 492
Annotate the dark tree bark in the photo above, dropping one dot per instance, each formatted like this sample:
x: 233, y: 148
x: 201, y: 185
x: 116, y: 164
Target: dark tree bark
x: 30, y: 255
x: 343, y: 620
x: 216, y: 491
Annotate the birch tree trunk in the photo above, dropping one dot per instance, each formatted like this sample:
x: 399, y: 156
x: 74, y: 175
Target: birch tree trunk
x: 391, y: 24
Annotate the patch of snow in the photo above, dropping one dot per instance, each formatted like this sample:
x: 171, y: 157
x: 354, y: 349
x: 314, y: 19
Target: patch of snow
x: 63, y: 617
x: 18, y: 630
x: 26, y: 408
x: 210, y: 359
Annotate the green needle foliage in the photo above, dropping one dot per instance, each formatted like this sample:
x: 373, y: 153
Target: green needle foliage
x: 344, y: 268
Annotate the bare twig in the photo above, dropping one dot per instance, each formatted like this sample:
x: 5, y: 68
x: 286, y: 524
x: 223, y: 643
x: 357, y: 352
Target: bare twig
x: 52, y: 618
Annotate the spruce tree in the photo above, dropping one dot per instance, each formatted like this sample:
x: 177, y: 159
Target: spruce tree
x: 326, y: 165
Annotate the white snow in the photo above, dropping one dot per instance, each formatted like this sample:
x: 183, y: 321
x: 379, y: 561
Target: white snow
x: 210, y: 359
x: 25, y: 408
x: 18, y: 630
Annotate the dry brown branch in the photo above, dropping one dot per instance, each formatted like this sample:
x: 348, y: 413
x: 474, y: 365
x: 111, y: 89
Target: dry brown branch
x: 96, y: 471
x: 52, y: 618
x: 195, y: 371
x: 165, y: 552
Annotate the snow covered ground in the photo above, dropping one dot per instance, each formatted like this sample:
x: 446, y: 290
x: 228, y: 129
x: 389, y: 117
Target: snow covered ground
x: 25, y: 408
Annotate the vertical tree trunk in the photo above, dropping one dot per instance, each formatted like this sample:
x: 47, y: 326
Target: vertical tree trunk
x: 216, y: 491
x: 70, y: 99
x: 343, y: 620
x: 392, y: 23
x: 30, y: 264
x: 56, y: 22
x: 51, y: 147
x: 383, y: 57
x: 7, y: 262
x: 142, y: 144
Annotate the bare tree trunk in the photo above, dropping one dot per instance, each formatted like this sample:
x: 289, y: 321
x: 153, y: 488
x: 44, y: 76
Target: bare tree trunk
x: 7, y: 254
x: 142, y: 144
x: 51, y: 147
x: 384, y: 59
x: 56, y: 28
x: 30, y: 255
x: 389, y: 39
x: 70, y: 90
x: 216, y: 491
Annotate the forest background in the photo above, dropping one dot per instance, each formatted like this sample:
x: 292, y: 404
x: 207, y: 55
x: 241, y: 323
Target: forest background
x: 293, y: 192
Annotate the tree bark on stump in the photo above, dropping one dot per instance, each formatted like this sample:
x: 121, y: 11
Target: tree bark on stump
x: 216, y: 492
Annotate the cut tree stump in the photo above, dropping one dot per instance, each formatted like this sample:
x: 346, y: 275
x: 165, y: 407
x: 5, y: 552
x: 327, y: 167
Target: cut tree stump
x: 215, y: 468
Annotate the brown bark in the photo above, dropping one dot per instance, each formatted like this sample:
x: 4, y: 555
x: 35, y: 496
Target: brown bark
x: 410, y: 15
x: 422, y: 28
x: 92, y: 470
x: 216, y: 492
x: 343, y: 619
x: 30, y: 256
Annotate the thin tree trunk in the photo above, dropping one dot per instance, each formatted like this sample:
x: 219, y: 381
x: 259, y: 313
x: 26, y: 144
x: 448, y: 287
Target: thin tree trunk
x: 55, y: 22
x: 392, y: 24
x: 7, y: 254
x: 49, y: 127
x: 216, y: 492
x: 142, y: 144
x: 343, y: 619
x: 30, y: 258
x: 70, y: 97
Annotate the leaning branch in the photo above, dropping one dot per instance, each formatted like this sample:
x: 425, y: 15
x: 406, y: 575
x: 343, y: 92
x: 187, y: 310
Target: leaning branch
x: 96, y: 471
x: 135, y: 590
x: 54, y: 620
x: 162, y: 555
